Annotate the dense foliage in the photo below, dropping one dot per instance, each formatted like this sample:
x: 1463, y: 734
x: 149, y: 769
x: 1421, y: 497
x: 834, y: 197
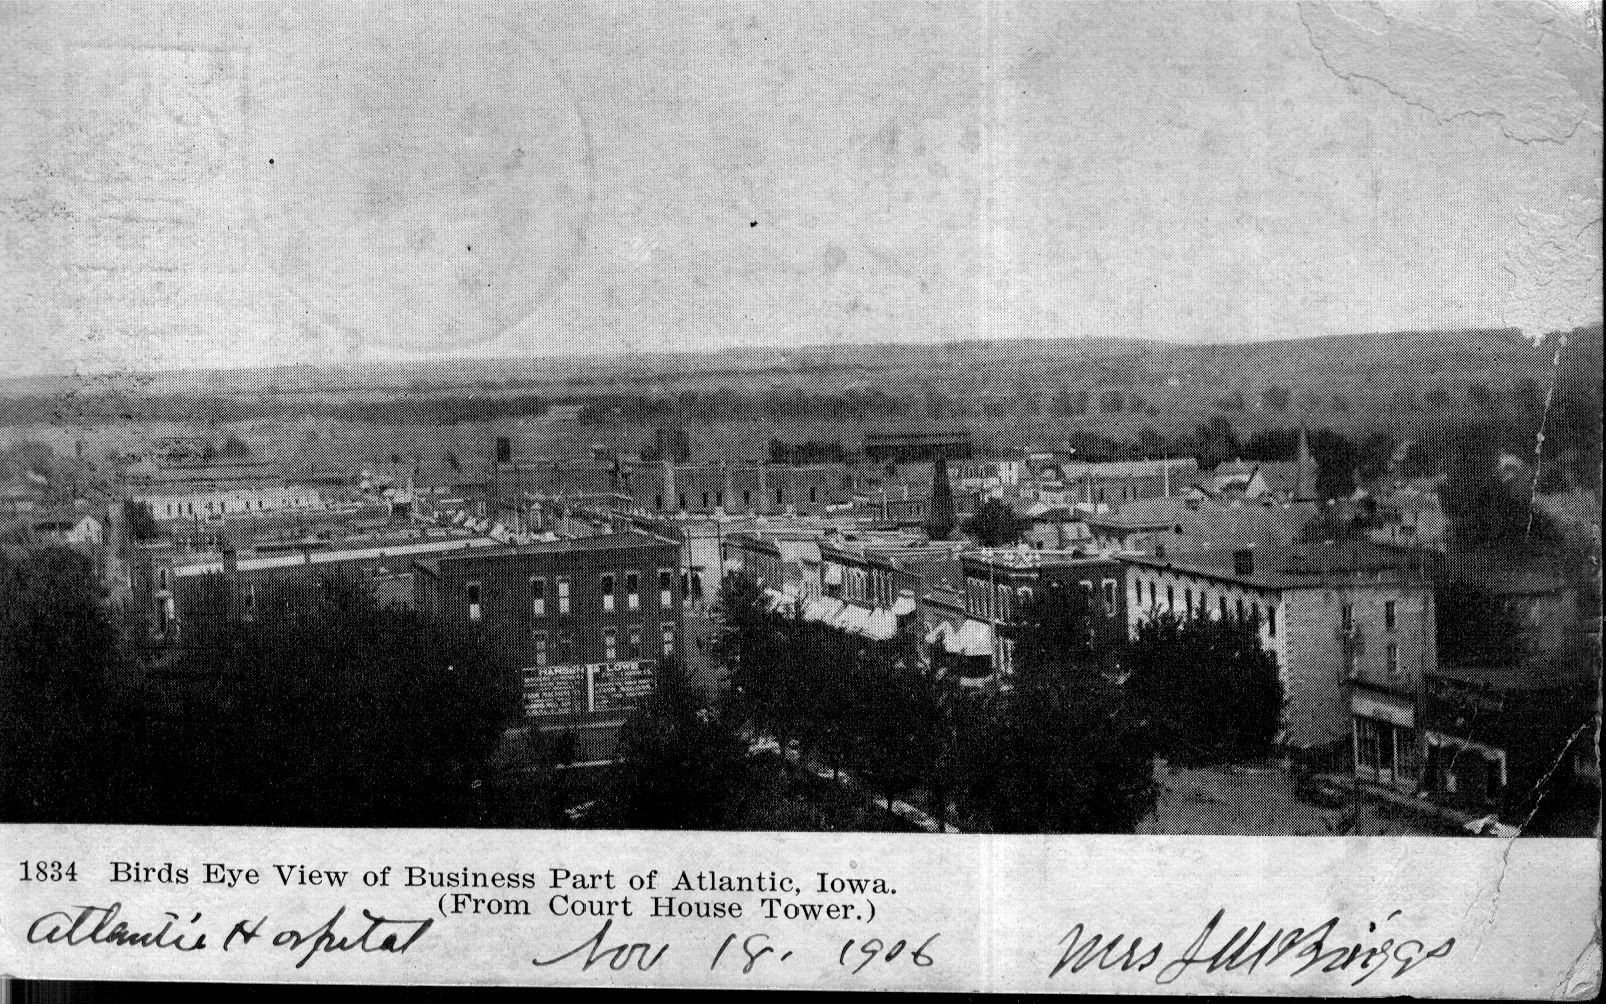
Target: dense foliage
x: 1211, y: 692
x: 326, y: 709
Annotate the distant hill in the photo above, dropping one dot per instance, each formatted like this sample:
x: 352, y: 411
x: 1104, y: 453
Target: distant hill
x: 1455, y: 354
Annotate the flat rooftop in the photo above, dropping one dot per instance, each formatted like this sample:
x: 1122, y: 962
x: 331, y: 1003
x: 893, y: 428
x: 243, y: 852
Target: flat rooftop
x: 601, y: 542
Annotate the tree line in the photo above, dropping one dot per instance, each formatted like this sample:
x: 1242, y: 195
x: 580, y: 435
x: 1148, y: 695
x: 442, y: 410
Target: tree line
x: 324, y: 707
x: 1065, y: 744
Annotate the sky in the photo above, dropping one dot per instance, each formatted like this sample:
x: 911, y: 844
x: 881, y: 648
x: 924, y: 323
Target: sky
x: 218, y: 186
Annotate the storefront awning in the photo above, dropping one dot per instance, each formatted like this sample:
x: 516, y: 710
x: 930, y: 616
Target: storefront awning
x: 880, y: 625
x: 1382, y: 707
x: 973, y: 638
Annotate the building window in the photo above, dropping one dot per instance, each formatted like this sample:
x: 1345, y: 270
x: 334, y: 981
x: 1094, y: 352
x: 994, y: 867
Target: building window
x: 1109, y: 597
x: 1170, y: 598
x: 658, y: 502
x: 1221, y: 604
x: 705, y: 500
x: 161, y: 578
x: 719, y: 499
x: 1347, y: 616
x: 1271, y: 621
x: 539, y: 639
x: 669, y: 639
x: 538, y: 597
x: 1187, y: 595
x: 1154, y: 596
x: 473, y: 601
x: 1254, y: 612
x: 607, y: 593
x: 813, y: 494
x: 666, y: 587
x: 1394, y: 659
x: 1388, y: 615
x: 563, y: 596
x: 633, y: 643
x: 610, y: 644
x: 565, y: 648
x: 683, y: 500
x: 1024, y: 595
x: 1240, y: 608
x: 747, y: 499
x: 632, y: 590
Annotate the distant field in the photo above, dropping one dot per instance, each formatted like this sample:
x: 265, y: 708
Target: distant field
x: 1010, y: 394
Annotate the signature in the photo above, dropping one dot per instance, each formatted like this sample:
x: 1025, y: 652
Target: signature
x: 1240, y: 951
x: 94, y: 925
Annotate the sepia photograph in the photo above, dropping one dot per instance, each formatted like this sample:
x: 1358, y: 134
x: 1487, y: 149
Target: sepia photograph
x: 1119, y: 419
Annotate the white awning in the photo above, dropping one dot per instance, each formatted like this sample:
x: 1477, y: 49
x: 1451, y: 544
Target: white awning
x: 1383, y: 707
x: 880, y: 625
x: 825, y: 609
x: 904, y: 605
x: 974, y: 638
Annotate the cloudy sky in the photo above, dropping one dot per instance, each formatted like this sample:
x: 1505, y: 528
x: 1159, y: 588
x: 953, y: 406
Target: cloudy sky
x: 216, y: 186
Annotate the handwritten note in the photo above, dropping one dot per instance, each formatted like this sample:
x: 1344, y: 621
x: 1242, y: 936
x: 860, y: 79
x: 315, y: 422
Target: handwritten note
x: 1325, y: 916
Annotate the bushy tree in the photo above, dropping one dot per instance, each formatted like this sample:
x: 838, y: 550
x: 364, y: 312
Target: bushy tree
x: 748, y: 644
x: 1063, y: 755
x: 1216, y: 441
x: 680, y: 764
x: 1209, y: 690
x: 1474, y: 628
x: 137, y: 517
x: 234, y: 448
x: 994, y: 524
x: 940, y: 519
x: 60, y: 662
x: 327, y: 708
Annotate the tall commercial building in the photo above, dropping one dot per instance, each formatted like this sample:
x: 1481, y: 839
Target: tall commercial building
x: 581, y: 623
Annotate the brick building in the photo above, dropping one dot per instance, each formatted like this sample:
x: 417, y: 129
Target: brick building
x: 999, y: 583
x: 745, y: 488
x: 582, y: 622
x: 183, y: 591
x: 1352, y: 630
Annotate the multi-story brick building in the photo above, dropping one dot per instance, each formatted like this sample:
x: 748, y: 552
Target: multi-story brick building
x: 581, y: 622
x: 745, y: 488
x: 185, y: 591
x: 1351, y: 628
x: 1000, y: 583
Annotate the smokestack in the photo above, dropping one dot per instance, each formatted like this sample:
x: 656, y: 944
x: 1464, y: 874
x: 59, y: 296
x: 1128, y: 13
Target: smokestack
x: 671, y: 497
x: 1303, y: 489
